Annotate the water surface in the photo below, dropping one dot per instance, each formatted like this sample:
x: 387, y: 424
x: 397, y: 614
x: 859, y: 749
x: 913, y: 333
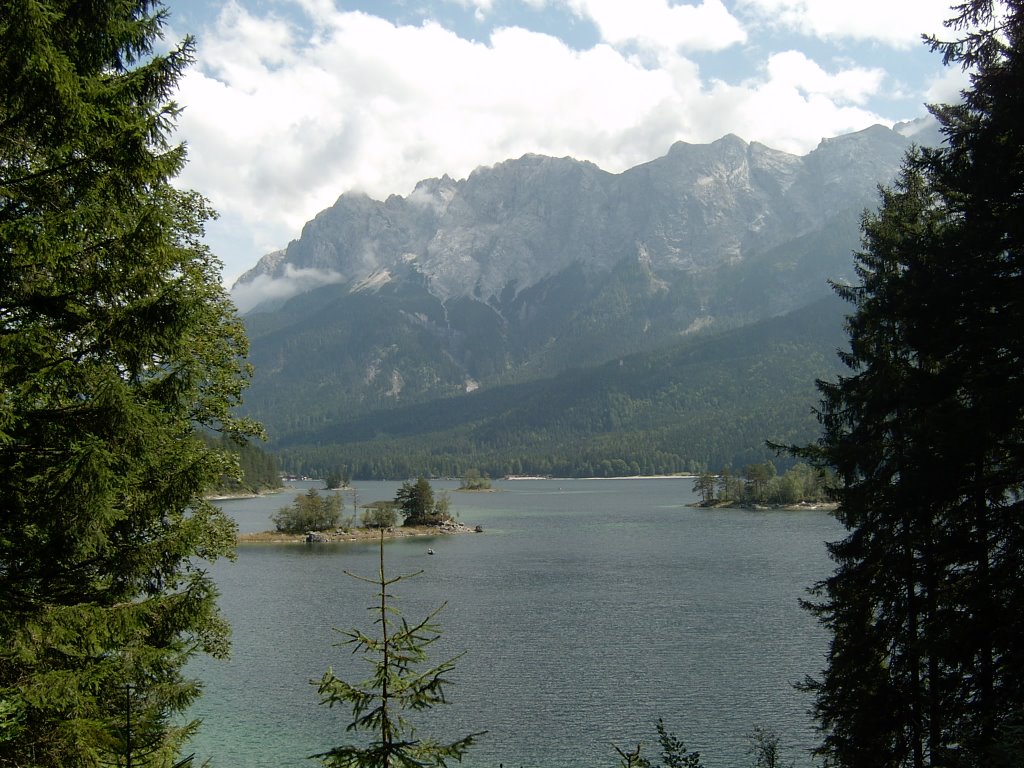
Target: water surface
x: 587, y: 609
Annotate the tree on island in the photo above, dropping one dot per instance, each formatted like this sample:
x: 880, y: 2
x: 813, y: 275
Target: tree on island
x: 117, y: 343
x: 704, y: 484
x: 416, y: 503
x: 335, y: 481
x: 401, y: 681
x: 380, y: 514
x: 729, y: 485
x: 759, y: 484
x: 759, y: 479
x: 473, y: 480
x: 926, y: 434
x: 309, y: 512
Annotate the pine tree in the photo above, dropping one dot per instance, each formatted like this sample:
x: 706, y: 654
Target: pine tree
x: 416, y: 500
x: 926, y: 664
x: 866, y: 703
x: 673, y: 752
x: 117, y: 342
x: 400, y: 683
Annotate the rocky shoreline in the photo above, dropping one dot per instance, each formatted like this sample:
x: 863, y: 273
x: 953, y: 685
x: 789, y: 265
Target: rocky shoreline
x: 356, y: 534
x: 801, y: 506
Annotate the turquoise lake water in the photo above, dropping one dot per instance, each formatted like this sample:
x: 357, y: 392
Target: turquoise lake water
x: 586, y: 610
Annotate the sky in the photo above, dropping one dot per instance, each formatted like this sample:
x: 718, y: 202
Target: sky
x: 292, y: 103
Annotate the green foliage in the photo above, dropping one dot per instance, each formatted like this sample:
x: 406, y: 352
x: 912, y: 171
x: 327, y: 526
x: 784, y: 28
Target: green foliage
x: 691, y: 407
x: 765, y: 749
x: 401, y: 682
x: 759, y: 484
x: 117, y: 343
x: 474, y: 481
x: 704, y: 484
x: 800, y: 483
x: 380, y: 514
x: 257, y: 470
x: 336, y: 480
x: 759, y: 478
x: 12, y: 717
x: 309, y: 512
x: 416, y: 502
x: 925, y: 432
x: 673, y: 753
x: 260, y: 470
x: 329, y: 339
x: 730, y: 486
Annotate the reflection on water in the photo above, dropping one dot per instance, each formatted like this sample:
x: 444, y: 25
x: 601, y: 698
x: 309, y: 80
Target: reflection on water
x: 587, y: 609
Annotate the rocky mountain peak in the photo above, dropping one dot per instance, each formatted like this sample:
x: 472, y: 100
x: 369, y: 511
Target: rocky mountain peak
x: 519, y: 222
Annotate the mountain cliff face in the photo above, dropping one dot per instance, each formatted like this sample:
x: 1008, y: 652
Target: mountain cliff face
x: 536, y: 265
x: 510, y: 226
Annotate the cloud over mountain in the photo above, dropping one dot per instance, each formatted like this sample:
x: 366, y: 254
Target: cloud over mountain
x: 293, y: 103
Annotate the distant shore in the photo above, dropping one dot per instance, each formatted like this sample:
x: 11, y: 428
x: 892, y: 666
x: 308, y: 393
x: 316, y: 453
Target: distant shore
x: 249, y: 494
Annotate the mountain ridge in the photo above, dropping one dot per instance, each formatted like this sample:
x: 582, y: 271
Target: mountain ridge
x: 477, y: 236
x: 538, y: 265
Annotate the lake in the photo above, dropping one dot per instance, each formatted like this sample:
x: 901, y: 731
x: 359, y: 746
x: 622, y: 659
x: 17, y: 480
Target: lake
x: 586, y: 610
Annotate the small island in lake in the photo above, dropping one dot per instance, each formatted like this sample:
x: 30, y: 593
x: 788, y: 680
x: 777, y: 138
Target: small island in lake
x: 759, y: 487
x: 355, y: 534
x: 315, y: 518
x: 474, y: 481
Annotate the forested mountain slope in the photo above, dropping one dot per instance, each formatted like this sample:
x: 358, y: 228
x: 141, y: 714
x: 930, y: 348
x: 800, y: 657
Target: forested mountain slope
x: 707, y: 402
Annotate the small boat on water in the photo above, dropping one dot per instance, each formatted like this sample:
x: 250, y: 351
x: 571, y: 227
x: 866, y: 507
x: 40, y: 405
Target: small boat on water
x: 430, y: 551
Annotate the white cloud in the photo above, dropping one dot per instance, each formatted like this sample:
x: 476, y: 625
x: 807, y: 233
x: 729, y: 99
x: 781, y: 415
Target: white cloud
x: 793, y: 70
x: 946, y: 87
x: 793, y: 104
x: 294, y: 281
x: 657, y: 26
x: 280, y: 122
x: 481, y: 7
x: 896, y: 23
x: 786, y: 117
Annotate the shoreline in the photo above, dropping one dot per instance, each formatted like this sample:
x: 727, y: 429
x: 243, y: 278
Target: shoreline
x: 683, y: 476
x: 249, y: 494
x: 801, y: 506
x: 354, y: 534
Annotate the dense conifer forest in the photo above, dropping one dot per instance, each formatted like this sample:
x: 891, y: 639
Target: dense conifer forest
x: 259, y: 468
x: 700, y: 405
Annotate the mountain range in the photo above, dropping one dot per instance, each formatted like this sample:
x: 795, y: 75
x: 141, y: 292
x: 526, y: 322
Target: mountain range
x: 535, y: 316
